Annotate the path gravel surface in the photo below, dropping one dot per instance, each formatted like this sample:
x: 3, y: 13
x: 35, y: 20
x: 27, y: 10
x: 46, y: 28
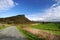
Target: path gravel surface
x: 11, y: 33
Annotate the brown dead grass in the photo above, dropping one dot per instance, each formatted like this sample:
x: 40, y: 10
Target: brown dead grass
x: 42, y: 34
x: 35, y: 24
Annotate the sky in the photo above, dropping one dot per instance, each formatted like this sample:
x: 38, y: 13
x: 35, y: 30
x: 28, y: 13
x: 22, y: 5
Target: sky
x: 37, y: 10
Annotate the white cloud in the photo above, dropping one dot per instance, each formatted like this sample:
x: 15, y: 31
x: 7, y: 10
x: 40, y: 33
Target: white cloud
x: 51, y: 14
x: 34, y: 17
x: 7, y: 4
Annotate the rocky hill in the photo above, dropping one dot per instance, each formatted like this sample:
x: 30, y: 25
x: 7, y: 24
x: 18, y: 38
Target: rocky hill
x: 19, y: 19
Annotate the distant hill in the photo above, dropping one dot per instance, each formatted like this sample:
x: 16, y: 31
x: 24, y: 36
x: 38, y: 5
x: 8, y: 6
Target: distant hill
x: 19, y: 19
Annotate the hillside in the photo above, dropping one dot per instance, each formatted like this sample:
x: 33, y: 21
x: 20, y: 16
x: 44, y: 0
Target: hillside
x: 19, y: 19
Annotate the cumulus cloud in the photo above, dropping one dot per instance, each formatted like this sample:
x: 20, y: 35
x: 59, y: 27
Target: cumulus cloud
x: 51, y: 14
x: 7, y: 4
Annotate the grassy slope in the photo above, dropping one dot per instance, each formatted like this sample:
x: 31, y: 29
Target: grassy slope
x: 28, y: 35
x: 50, y: 27
x: 1, y: 27
x: 4, y: 26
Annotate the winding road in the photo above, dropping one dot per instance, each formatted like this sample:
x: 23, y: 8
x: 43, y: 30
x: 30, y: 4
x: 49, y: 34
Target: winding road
x: 11, y: 33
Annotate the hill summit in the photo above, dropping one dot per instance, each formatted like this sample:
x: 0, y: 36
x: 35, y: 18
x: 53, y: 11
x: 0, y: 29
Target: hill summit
x: 19, y: 19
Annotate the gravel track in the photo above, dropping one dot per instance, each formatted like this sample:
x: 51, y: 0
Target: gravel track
x: 11, y: 33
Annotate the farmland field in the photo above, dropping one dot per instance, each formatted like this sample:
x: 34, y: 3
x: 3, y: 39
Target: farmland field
x: 48, y: 27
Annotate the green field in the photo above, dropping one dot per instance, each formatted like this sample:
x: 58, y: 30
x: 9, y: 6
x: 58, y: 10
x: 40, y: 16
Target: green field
x: 29, y: 36
x: 1, y: 27
x: 53, y: 28
x: 48, y: 27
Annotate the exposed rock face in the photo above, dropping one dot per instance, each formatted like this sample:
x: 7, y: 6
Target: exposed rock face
x: 19, y: 19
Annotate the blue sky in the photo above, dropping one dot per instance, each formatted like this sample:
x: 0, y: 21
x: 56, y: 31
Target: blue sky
x: 32, y: 9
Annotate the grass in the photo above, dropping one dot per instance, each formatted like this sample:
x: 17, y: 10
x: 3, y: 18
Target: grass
x: 4, y: 26
x: 49, y: 27
x: 28, y: 35
x: 1, y: 27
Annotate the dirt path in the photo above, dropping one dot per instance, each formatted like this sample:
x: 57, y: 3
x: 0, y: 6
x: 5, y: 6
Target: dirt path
x: 11, y: 33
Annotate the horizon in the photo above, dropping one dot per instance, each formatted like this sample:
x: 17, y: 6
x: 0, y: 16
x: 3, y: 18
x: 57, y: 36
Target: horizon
x: 37, y: 10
